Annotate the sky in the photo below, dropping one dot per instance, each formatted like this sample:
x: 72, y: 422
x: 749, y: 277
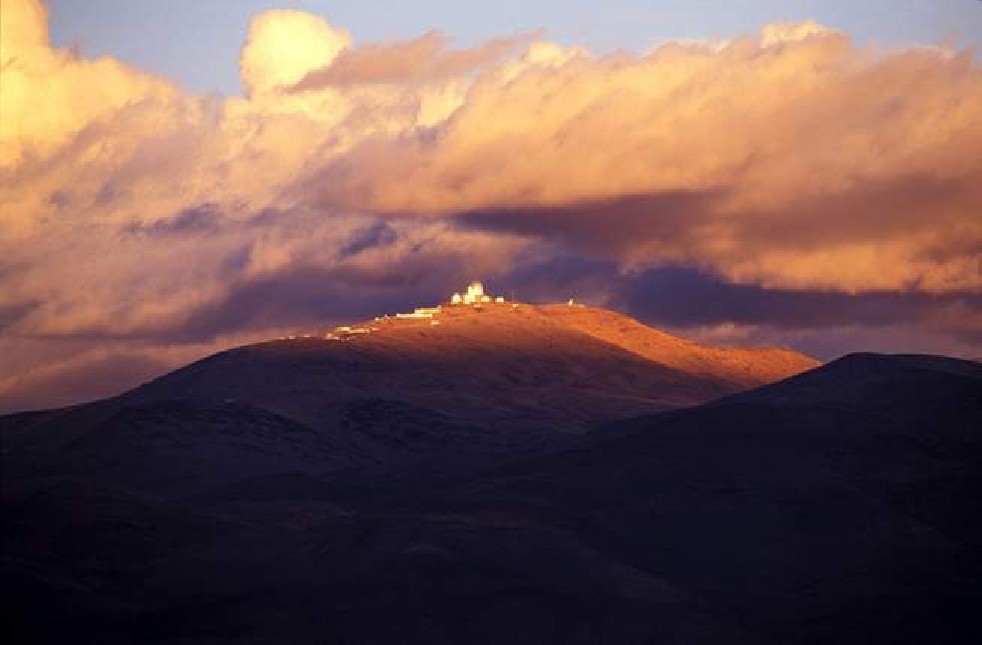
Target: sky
x: 196, y: 42
x: 177, y: 178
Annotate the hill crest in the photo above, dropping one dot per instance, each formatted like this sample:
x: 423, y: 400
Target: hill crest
x: 499, y: 365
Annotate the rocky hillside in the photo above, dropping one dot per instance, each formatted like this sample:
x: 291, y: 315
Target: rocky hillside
x: 502, y: 366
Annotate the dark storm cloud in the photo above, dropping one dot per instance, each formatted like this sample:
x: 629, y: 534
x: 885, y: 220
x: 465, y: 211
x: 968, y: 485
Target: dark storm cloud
x: 687, y: 297
x: 610, y: 226
x: 196, y: 220
x: 11, y: 314
x: 300, y: 297
x: 374, y: 235
x: 554, y: 275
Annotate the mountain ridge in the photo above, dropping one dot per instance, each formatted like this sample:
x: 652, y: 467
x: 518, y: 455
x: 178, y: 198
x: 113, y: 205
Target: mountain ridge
x: 838, y: 505
x: 500, y: 364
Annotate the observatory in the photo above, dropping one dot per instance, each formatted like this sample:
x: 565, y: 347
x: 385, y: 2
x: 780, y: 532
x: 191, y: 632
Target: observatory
x: 474, y: 296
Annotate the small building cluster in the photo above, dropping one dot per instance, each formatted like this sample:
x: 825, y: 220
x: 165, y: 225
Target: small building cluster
x: 421, y: 312
x: 345, y: 331
x: 474, y: 296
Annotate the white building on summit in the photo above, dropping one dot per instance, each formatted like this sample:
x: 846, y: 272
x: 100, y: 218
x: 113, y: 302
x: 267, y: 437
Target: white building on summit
x: 474, y: 296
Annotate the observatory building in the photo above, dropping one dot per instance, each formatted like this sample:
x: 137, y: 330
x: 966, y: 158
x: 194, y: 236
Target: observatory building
x: 474, y: 296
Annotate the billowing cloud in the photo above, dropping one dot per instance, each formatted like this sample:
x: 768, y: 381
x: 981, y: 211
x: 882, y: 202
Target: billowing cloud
x: 284, y: 46
x: 791, y: 170
x: 795, y: 160
x: 49, y: 96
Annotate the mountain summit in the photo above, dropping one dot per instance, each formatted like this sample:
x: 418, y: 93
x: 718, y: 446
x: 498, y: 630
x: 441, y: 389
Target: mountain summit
x: 438, y: 383
x: 491, y: 364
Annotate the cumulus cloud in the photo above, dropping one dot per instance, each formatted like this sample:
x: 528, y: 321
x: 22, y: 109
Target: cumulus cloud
x: 49, y: 96
x: 352, y: 179
x: 810, y: 163
x: 284, y: 46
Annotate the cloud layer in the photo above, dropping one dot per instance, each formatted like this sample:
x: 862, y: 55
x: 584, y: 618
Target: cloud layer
x: 350, y: 179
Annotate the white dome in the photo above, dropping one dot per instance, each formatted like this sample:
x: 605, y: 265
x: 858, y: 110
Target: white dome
x: 475, y: 289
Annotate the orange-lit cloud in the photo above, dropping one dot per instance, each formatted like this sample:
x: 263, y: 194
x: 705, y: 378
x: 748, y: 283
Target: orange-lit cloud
x: 424, y: 59
x: 49, y: 96
x: 791, y: 159
x: 284, y: 46
x: 810, y: 163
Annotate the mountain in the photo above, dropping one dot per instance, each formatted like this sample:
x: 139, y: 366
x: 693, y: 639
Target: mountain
x: 223, y: 502
x: 742, y: 368
x: 841, y: 505
x: 503, y: 366
x: 468, y: 380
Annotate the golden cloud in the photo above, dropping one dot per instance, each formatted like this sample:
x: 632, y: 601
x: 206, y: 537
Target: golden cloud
x: 284, y: 46
x: 788, y: 159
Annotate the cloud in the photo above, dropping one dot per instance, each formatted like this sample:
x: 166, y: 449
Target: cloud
x: 777, y: 33
x: 794, y: 173
x: 682, y: 297
x: 48, y: 96
x: 831, y: 167
x: 67, y: 372
x: 89, y: 375
x: 422, y: 59
x: 378, y: 234
x: 284, y: 46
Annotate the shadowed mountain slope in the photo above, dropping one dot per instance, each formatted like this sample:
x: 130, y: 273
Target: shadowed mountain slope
x: 486, y: 380
x: 839, y: 505
x: 481, y: 380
